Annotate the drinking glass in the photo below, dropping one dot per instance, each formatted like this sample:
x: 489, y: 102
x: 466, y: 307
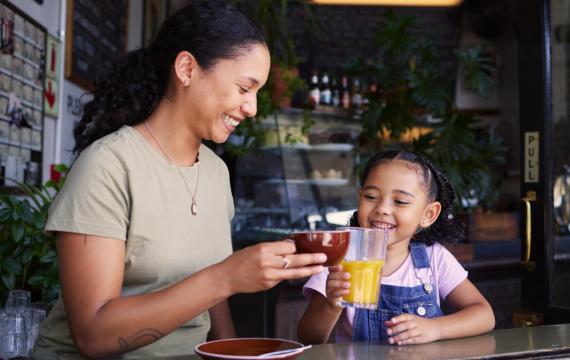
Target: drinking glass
x: 33, y: 318
x: 364, y: 261
x: 12, y: 333
x: 18, y: 299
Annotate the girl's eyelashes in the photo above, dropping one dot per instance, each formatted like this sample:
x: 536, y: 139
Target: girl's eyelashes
x: 370, y: 197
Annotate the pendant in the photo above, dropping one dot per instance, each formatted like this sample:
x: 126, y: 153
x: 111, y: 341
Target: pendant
x: 194, y: 208
x: 428, y: 288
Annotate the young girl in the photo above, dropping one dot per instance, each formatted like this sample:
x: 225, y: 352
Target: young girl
x: 407, y: 195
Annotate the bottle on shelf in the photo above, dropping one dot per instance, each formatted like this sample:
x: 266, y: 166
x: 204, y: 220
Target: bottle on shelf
x: 325, y: 93
x: 356, y: 97
x: 345, y: 97
x: 335, y: 99
x: 314, y: 92
x: 371, y: 94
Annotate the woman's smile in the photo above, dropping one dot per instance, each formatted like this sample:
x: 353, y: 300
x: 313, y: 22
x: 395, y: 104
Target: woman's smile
x: 230, y: 122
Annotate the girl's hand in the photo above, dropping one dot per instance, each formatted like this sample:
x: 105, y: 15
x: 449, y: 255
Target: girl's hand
x: 264, y: 265
x: 337, y: 286
x: 407, y: 329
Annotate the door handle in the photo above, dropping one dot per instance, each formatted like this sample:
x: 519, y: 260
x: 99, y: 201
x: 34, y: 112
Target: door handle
x: 530, y: 197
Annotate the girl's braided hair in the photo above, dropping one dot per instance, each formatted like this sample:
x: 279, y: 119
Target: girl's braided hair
x: 446, y: 228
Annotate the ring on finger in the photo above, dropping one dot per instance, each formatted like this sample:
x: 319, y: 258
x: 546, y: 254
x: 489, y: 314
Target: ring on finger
x: 286, y: 262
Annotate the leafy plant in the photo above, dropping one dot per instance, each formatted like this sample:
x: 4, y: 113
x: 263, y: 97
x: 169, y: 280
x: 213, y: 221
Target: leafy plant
x: 467, y: 158
x: 271, y: 17
x: 478, y: 70
x: 28, y: 255
x: 413, y: 90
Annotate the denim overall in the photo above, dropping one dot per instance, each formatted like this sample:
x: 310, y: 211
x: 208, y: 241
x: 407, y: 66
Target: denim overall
x: 419, y: 300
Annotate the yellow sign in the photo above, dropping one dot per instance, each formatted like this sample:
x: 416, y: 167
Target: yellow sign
x: 531, y: 160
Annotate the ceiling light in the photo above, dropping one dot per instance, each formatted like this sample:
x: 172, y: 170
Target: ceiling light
x: 390, y: 2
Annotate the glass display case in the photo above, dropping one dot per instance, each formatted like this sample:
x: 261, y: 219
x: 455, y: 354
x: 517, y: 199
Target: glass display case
x: 297, y: 180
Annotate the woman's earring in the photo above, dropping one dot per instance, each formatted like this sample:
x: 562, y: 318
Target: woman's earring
x: 186, y: 83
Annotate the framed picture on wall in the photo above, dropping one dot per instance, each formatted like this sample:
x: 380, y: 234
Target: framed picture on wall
x: 22, y: 55
x: 155, y: 11
x: 96, y: 37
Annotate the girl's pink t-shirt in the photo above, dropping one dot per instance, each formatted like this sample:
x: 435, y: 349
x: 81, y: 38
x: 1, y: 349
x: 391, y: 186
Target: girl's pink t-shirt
x: 446, y: 273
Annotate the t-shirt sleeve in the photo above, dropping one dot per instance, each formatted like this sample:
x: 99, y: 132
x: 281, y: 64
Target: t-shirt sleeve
x: 316, y: 283
x: 95, y: 198
x: 450, y: 272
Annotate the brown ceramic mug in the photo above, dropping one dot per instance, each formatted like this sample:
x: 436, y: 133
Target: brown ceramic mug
x: 333, y: 243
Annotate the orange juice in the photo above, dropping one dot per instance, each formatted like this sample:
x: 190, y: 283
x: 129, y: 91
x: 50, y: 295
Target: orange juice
x: 364, y: 281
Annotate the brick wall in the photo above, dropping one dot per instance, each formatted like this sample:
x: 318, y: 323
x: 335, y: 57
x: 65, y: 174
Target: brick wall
x: 348, y: 32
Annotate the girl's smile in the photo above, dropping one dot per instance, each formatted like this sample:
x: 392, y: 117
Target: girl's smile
x: 393, y: 198
x: 382, y: 225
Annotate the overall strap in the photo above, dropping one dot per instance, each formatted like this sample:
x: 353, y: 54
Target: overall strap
x: 419, y: 255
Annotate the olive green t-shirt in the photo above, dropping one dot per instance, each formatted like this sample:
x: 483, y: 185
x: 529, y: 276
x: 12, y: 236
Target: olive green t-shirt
x: 120, y: 187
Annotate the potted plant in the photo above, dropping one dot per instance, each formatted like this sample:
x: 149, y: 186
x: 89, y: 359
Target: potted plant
x: 414, y: 99
x: 284, y: 81
x: 28, y: 255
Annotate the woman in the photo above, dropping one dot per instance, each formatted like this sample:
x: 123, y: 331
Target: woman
x: 143, y: 222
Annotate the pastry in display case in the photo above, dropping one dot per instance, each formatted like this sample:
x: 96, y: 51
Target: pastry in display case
x: 296, y: 180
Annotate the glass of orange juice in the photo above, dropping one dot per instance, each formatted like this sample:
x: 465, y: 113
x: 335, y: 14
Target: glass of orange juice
x: 364, y: 261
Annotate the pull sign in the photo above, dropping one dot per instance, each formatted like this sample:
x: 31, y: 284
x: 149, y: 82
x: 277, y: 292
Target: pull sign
x: 531, y: 157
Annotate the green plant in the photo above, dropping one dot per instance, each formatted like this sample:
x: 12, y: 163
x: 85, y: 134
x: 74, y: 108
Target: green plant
x: 413, y: 90
x: 478, y: 70
x: 28, y: 255
x: 271, y: 17
x: 467, y: 158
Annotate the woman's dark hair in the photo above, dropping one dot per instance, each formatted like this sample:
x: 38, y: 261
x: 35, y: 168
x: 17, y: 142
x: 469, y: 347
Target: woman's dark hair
x: 446, y: 228
x: 210, y: 30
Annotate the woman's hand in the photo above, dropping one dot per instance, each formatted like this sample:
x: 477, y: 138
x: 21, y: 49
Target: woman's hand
x: 264, y: 265
x: 407, y: 329
x: 337, y: 286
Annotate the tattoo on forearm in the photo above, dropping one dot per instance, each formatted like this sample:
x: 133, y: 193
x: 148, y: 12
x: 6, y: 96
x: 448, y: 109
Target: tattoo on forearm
x: 144, y: 336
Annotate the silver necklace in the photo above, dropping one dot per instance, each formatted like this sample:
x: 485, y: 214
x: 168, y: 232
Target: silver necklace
x: 194, y: 206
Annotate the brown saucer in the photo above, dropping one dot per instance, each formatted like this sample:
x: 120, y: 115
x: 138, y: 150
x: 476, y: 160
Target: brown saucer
x: 247, y: 348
